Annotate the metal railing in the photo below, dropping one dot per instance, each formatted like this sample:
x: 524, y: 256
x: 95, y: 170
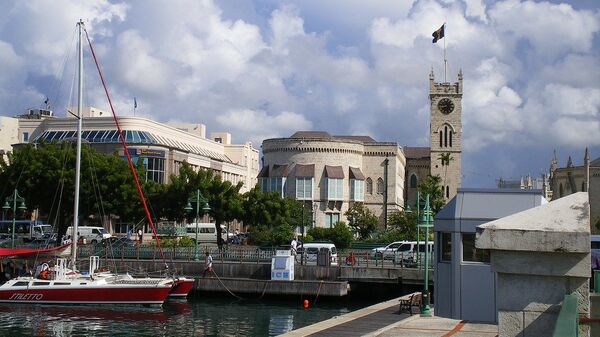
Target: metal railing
x: 352, y: 258
x: 567, y: 323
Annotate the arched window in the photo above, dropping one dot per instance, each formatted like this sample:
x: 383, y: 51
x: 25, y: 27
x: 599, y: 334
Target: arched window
x: 447, y: 192
x: 560, y: 190
x: 446, y: 136
x: 380, y: 186
x: 440, y: 138
x: 369, y: 186
x: 413, y: 181
x: 450, y: 138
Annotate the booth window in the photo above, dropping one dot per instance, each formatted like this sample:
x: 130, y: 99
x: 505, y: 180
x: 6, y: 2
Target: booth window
x: 446, y: 243
x: 472, y: 254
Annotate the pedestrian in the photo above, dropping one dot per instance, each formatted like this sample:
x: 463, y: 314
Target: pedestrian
x: 294, y: 246
x: 207, y: 264
x: 140, y: 235
x: 129, y: 233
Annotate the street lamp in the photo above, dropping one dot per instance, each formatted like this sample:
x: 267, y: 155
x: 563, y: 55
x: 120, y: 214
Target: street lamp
x: 15, y: 197
x: 197, y: 199
x: 426, y: 221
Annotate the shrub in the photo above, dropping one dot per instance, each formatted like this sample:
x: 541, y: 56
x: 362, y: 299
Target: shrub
x: 340, y: 235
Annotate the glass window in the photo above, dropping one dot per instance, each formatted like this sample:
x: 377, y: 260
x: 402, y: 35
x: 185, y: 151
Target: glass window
x: 335, y: 189
x: 304, y: 188
x: 472, y: 254
x: 380, y: 186
x: 369, y: 186
x: 413, y: 181
x: 331, y: 219
x: 25, y: 136
x: 155, y: 169
x: 357, y: 190
x: 446, y: 250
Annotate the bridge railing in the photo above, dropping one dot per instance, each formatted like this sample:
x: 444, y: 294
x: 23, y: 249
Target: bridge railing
x: 351, y: 258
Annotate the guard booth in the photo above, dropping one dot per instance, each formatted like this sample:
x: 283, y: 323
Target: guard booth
x: 464, y: 279
x: 324, y: 257
x: 282, y: 265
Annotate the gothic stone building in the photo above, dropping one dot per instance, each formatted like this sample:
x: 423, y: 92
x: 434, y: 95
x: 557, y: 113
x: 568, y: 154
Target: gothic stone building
x: 330, y: 173
x: 583, y: 178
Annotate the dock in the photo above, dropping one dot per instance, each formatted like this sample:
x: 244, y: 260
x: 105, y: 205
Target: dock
x: 384, y: 320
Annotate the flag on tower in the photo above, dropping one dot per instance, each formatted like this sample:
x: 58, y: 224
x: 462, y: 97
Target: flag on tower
x: 438, y: 34
x: 134, y: 103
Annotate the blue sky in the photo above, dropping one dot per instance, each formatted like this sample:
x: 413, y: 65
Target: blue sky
x: 262, y: 69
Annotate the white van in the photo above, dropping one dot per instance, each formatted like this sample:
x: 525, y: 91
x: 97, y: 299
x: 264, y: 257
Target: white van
x: 310, y: 251
x: 407, y: 252
x: 90, y: 234
x: 207, y: 232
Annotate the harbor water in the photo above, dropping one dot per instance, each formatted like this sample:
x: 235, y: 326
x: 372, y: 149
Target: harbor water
x: 200, y: 315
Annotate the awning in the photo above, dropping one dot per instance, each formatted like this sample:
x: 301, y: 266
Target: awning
x: 334, y: 172
x: 264, y: 172
x: 355, y: 173
x: 279, y: 171
x: 304, y: 170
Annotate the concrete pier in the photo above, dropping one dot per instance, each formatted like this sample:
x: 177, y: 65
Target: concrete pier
x: 268, y: 287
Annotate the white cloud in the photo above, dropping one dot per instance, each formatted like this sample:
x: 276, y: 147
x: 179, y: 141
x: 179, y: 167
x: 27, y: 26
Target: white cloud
x: 550, y: 28
x: 476, y: 8
x: 258, y: 125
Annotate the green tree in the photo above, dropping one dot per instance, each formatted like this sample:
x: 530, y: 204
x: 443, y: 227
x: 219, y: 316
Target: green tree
x: 445, y: 159
x: 361, y: 220
x: 340, y: 235
x: 405, y: 224
x: 431, y: 185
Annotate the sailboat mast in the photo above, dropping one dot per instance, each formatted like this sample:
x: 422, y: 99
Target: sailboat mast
x: 78, y: 156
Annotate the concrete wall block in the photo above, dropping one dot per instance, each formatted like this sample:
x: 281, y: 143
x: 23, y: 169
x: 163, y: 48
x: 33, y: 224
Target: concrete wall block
x: 510, y: 323
x: 542, y: 263
x: 535, y: 293
x: 539, y: 323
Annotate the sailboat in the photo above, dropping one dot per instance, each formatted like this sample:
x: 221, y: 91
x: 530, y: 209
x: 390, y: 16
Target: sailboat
x: 64, y: 284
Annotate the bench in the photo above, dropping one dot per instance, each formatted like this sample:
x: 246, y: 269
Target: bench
x: 407, y: 302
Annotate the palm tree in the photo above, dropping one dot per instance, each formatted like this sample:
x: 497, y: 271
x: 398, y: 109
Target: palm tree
x: 445, y: 158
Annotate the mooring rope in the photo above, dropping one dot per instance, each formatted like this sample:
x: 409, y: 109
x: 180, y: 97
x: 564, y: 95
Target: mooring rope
x: 318, y: 291
x: 224, y: 286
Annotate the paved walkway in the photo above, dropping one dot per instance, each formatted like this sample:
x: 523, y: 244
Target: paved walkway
x: 417, y: 326
x: 383, y: 320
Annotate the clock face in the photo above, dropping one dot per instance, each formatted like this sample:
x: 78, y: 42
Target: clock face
x: 446, y: 105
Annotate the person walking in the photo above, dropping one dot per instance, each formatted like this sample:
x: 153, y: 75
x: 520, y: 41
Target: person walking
x: 140, y: 236
x: 207, y: 264
x: 294, y: 246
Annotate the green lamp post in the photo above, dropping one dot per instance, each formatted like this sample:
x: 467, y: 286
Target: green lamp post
x: 13, y: 199
x: 197, y: 199
x: 426, y: 222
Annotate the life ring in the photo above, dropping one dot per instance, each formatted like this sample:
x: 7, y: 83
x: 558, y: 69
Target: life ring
x: 101, y: 270
x: 44, y: 274
x: 350, y: 260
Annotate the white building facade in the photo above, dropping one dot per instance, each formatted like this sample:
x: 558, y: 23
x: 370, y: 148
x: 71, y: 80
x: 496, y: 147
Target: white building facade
x: 161, y: 147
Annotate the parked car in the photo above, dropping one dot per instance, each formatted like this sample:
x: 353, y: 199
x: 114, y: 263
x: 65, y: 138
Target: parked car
x: 391, y: 250
x: 117, y: 242
x: 311, y: 249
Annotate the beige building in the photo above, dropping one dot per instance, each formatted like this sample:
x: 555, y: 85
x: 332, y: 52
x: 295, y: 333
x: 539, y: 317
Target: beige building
x: 9, y: 134
x: 162, y: 148
x: 584, y: 178
x: 330, y: 173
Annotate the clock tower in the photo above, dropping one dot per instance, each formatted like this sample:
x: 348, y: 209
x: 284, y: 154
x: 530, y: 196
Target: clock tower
x: 445, y: 132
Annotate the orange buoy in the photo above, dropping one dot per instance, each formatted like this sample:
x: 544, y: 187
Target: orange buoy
x: 305, y: 304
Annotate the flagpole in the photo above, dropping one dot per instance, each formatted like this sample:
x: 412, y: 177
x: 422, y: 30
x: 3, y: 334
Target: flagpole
x: 445, y: 60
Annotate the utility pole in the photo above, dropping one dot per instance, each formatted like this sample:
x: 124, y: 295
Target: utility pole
x: 385, y: 191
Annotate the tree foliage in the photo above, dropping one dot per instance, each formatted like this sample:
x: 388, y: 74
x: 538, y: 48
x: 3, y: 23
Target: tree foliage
x: 340, y: 235
x: 404, y: 223
x: 361, y: 220
x: 432, y: 186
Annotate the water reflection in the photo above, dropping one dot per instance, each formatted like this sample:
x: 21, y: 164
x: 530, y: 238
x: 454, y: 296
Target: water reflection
x: 201, y: 316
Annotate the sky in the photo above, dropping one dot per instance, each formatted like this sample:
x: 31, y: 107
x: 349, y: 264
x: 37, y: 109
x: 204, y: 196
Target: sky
x: 264, y: 69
